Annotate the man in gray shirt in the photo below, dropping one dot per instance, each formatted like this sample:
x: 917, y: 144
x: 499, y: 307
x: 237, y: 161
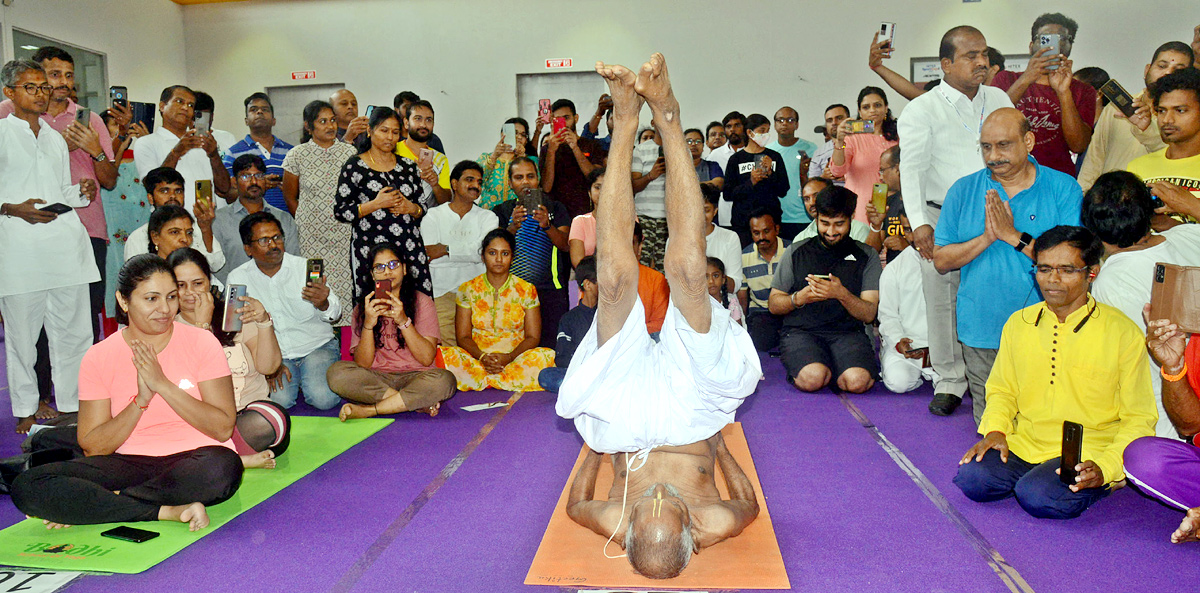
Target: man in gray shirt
x: 249, y: 172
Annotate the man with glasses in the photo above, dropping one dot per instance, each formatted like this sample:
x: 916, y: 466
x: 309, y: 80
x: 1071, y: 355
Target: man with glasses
x: 302, y: 311
x: 1060, y: 108
x: 165, y: 186
x: 249, y: 173
x: 175, y: 143
x: 45, y: 260
x: 986, y: 230
x: 797, y: 156
x: 1068, y: 358
x: 260, y: 118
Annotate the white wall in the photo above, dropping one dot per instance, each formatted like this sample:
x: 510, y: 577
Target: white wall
x: 143, y: 39
x: 750, y: 55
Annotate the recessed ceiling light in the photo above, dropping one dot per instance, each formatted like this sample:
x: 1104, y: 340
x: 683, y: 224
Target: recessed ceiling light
x: 31, y: 47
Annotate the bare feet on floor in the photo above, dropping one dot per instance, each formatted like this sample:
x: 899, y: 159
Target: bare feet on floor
x: 50, y: 524
x: 626, y: 102
x: 349, y: 411
x: 431, y: 410
x: 195, y: 515
x: 45, y: 412
x: 264, y: 460
x: 654, y: 85
x: 24, y: 424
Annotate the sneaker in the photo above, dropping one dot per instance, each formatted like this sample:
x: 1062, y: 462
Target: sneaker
x: 944, y: 404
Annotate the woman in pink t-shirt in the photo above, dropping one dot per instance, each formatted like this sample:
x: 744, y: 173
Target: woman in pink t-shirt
x: 156, y: 414
x: 582, y: 239
x: 263, y: 427
x: 394, y: 337
x: 856, y: 155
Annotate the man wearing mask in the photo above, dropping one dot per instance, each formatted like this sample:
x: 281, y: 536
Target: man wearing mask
x: 939, y: 141
x: 1060, y: 108
x: 649, y: 198
x: 345, y: 110
x: 797, y: 156
x: 431, y: 163
x: 754, y: 178
x: 260, y: 118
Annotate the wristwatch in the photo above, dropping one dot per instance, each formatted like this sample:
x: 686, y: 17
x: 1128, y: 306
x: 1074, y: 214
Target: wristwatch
x: 1024, y: 242
x: 100, y: 158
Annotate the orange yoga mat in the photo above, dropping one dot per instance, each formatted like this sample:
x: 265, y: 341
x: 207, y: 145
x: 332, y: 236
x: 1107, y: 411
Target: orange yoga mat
x: 570, y: 555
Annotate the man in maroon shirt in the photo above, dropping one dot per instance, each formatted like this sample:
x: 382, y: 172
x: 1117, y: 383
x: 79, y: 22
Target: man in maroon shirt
x: 566, y: 160
x: 1061, y: 109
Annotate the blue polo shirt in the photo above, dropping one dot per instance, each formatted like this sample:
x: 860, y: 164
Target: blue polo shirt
x: 274, y: 161
x: 999, y: 281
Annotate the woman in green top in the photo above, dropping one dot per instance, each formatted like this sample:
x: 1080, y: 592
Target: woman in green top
x: 496, y: 189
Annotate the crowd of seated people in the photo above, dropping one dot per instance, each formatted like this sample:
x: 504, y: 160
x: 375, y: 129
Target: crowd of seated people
x: 991, y: 275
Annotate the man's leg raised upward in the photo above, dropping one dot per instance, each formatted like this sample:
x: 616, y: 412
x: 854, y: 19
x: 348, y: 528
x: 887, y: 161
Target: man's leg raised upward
x: 616, y: 263
x: 685, y: 263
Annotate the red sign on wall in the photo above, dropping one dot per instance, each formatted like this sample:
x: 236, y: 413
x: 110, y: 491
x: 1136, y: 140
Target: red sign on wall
x: 559, y: 63
x: 305, y: 75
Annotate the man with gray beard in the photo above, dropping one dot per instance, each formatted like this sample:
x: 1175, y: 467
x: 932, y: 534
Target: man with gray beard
x: 988, y: 223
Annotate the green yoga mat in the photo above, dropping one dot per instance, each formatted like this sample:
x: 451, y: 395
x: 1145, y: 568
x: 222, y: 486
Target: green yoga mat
x: 315, y: 441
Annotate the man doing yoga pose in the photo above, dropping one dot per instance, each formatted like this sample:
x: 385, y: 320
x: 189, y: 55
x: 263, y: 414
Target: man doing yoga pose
x: 629, y: 394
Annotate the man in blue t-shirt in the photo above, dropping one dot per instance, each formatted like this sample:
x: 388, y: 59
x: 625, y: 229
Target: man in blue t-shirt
x: 574, y: 325
x: 987, y: 226
x: 797, y: 156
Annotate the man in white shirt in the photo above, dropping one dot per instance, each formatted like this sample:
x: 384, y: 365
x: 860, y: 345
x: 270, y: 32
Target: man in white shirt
x: 165, y: 186
x: 205, y: 106
x: 176, y: 144
x: 453, y: 232
x: 903, y: 330
x: 1118, y: 210
x: 649, y: 199
x: 939, y: 138
x: 46, y: 260
x: 303, y: 313
x: 721, y: 243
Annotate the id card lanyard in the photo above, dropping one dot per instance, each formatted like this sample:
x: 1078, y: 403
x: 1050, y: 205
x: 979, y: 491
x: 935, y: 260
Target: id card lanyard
x: 983, y: 110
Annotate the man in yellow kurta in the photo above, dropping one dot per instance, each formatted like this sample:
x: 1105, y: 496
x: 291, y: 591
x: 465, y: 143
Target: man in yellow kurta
x: 1066, y: 358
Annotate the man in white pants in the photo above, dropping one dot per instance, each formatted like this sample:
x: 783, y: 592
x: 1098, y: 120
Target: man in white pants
x: 903, y: 329
x: 46, y: 260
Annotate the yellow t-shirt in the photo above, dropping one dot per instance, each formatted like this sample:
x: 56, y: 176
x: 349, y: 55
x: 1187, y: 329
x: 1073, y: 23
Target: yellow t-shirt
x: 440, y: 163
x: 1156, y: 166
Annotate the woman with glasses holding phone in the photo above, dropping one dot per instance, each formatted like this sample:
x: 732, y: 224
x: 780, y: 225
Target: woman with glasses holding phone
x: 262, y: 428
x: 394, y: 337
x: 858, y: 144
x: 496, y: 189
x: 498, y: 324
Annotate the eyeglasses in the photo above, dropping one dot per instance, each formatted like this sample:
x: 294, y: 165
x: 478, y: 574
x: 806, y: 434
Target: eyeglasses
x: 882, y: 169
x: 266, y: 241
x: 254, y: 176
x: 1062, y: 270
x: 695, y: 142
x: 392, y: 265
x: 786, y: 120
x: 33, y: 88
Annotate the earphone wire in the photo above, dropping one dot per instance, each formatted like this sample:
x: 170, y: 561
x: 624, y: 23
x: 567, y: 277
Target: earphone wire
x: 643, y: 454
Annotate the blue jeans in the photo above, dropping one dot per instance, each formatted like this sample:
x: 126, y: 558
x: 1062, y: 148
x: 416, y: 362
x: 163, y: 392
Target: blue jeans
x: 551, y: 378
x: 1036, y: 487
x: 308, y: 376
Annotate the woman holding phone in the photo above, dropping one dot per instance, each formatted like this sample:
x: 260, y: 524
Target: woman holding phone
x: 125, y: 206
x: 262, y: 428
x: 373, y: 198
x: 496, y: 189
x: 498, y: 323
x: 394, y: 338
x: 856, y: 151
x: 156, y: 413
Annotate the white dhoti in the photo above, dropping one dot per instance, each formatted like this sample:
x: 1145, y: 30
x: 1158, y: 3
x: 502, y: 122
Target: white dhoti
x: 633, y: 394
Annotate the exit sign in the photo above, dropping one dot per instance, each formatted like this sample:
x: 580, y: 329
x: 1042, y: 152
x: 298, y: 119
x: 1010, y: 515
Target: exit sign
x: 559, y: 63
x: 304, y: 75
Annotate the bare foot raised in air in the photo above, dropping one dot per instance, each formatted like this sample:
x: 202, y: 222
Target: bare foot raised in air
x: 50, y: 524
x: 195, y: 515
x: 355, y: 411
x: 264, y: 460
x: 626, y: 101
x: 45, y: 412
x: 24, y: 424
x: 654, y: 85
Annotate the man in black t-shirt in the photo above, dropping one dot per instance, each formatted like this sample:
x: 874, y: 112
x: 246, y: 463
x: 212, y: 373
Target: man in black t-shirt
x: 827, y: 287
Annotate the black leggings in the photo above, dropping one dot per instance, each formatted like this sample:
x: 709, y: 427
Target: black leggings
x: 80, y: 492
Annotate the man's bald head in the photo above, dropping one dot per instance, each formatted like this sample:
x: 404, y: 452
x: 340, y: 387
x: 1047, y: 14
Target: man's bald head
x: 345, y: 106
x: 1005, y: 141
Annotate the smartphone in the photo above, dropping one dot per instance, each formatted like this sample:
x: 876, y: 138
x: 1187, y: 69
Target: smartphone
x: 203, y: 122
x: 1050, y: 41
x: 559, y: 123
x: 382, y: 288
x: 879, y: 194
x: 862, y: 126
x: 144, y: 113
x: 130, y: 534
x: 544, y: 110
x: 1117, y: 94
x: 887, y: 35
x: 83, y: 116
x: 118, y: 95
x: 1072, y: 451
x: 56, y: 208
x: 531, y: 199
x: 822, y: 276
x: 425, y: 158
x: 510, y: 134
x: 316, y: 269
x: 204, y: 192
x: 370, y: 109
x: 232, y: 322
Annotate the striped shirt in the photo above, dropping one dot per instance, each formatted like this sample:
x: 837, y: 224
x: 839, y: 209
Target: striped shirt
x: 757, y: 274
x: 273, y: 159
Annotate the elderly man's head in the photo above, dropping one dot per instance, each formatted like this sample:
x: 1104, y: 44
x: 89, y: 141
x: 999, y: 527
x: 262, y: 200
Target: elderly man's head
x: 1006, y: 140
x: 659, y: 540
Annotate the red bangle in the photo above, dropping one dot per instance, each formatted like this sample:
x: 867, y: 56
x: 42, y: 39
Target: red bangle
x: 140, y: 407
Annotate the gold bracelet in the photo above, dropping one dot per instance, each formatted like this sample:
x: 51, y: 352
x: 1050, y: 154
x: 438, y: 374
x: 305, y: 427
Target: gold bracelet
x: 1175, y: 377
